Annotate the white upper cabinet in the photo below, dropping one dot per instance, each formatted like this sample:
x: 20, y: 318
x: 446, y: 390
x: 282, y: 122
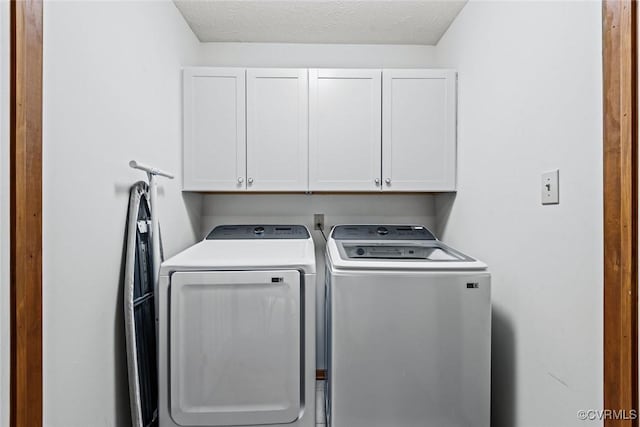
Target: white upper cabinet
x: 335, y: 130
x: 344, y: 130
x: 214, y: 129
x: 277, y: 130
x: 419, y: 130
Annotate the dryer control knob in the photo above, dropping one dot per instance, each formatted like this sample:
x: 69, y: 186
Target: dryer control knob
x: 382, y: 231
x: 258, y: 230
x: 360, y: 251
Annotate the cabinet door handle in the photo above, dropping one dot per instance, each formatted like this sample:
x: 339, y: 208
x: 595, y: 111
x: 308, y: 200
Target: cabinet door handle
x: 250, y: 180
x: 388, y: 181
x: 377, y: 181
x: 240, y: 180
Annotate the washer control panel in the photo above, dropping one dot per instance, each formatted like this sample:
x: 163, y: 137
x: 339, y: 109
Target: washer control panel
x: 381, y: 232
x: 258, y: 231
x: 387, y: 251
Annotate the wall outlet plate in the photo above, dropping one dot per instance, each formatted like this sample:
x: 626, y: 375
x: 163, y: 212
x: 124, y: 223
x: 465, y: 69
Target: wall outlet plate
x: 318, y: 221
x: 550, y: 187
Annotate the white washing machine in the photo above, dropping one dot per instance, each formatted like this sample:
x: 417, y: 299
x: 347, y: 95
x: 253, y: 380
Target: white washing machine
x: 236, y: 329
x: 409, y: 330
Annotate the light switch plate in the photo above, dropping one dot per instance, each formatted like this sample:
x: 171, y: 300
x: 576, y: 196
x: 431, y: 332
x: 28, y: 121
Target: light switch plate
x: 550, y: 187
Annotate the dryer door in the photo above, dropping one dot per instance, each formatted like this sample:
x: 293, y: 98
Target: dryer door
x: 235, y: 347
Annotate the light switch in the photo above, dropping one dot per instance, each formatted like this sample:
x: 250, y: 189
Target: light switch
x: 550, y: 187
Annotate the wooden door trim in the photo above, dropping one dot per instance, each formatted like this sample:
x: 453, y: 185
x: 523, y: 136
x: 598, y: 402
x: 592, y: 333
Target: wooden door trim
x: 26, y: 213
x: 620, y: 208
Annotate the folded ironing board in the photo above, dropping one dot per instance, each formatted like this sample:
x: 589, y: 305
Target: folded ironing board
x: 139, y: 311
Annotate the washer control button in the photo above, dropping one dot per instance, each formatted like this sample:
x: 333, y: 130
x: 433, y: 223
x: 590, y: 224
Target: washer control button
x: 382, y: 231
x: 258, y: 230
x: 360, y: 251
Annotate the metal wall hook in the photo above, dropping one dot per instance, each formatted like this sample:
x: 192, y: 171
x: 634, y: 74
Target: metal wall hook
x: 152, y: 173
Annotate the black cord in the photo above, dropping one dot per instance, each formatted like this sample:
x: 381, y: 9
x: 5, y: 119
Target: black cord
x: 322, y: 231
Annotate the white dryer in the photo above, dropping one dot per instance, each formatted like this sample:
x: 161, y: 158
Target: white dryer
x: 409, y: 330
x: 236, y: 329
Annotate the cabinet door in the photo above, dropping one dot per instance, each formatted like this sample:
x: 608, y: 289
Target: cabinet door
x: 214, y: 129
x: 277, y: 130
x: 419, y: 130
x: 344, y: 130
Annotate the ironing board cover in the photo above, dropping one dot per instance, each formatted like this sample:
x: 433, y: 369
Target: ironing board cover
x: 139, y: 311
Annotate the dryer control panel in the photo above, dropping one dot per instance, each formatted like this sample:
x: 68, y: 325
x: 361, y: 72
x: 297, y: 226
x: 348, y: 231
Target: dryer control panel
x: 258, y: 231
x: 381, y: 232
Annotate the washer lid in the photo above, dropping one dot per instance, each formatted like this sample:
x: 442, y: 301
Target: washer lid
x: 381, y: 232
x: 420, y: 254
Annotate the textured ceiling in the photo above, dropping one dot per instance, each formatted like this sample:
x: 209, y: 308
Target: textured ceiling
x: 320, y: 21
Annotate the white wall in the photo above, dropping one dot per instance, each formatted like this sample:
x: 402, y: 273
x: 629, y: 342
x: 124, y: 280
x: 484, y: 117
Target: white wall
x: 112, y: 92
x: 315, y: 55
x: 530, y: 99
x: 4, y: 213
